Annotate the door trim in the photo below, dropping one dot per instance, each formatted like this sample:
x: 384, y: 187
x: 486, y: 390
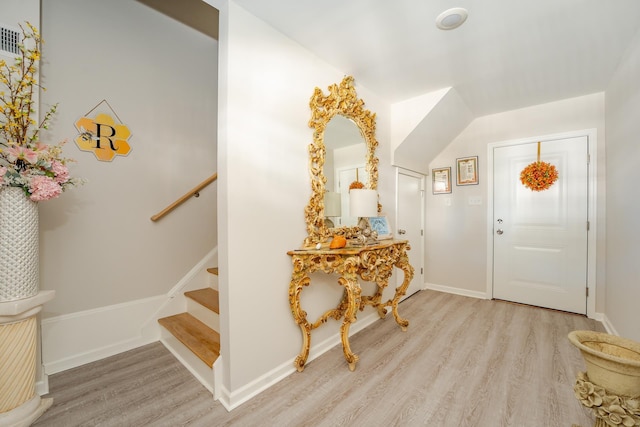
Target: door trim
x: 422, y: 178
x: 591, y: 135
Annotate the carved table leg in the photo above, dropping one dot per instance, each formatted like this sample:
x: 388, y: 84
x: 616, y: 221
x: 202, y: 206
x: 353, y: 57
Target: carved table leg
x: 402, y: 264
x: 353, y: 296
x: 299, y: 279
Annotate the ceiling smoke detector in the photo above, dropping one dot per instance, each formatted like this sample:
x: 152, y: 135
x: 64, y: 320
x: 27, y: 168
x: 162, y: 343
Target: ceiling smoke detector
x: 452, y: 18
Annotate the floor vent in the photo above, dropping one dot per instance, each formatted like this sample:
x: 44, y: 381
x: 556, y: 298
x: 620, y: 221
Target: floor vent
x: 9, y: 41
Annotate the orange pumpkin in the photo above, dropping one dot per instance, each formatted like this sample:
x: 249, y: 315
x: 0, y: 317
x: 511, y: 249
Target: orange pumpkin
x: 338, y: 242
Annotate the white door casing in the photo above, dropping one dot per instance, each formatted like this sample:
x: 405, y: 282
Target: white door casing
x: 410, y: 223
x: 539, y: 248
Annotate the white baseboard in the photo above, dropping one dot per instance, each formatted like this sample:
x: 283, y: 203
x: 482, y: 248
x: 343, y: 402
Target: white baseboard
x: 198, y: 275
x: 600, y: 317
x: 457, y: 291
x: 197, y: 367
x: 608, y: 326
x: 232, y: 400
x: 42, y: 384
x: 75, y: 339
x: 176, y: 302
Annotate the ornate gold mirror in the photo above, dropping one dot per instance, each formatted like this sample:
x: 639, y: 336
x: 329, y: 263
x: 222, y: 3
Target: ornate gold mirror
x: 331, y: 117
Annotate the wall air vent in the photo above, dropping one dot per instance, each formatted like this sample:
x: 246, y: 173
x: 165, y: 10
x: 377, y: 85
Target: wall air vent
x: 9, y: 40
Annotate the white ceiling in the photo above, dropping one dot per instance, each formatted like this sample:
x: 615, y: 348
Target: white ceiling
x: 508, y: 54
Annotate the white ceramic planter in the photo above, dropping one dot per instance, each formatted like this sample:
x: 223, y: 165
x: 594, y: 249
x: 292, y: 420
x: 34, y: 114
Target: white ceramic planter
x: 19, y: 272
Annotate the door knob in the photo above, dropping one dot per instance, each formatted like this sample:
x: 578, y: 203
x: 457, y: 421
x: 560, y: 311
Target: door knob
x: 401, y: 231
x: 499, y: 231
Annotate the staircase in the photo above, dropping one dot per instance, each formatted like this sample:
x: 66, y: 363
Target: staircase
x: 193, y: 336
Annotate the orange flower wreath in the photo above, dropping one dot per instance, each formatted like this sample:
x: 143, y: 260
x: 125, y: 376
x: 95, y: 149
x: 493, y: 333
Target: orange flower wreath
x: 539, y: 176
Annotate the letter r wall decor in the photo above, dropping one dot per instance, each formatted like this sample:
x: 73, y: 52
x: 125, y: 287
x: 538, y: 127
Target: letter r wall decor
x: 101, y: 134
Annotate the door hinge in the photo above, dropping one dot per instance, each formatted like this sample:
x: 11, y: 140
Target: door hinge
x: 422, y: 232
x: 587, y: 291
x: 588, y: 225
x: 421, y: 270
x: 588, y: 158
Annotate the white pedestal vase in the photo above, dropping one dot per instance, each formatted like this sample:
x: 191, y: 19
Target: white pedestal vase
x: 19, y: 273
x: 20, y: 302
x: 20, y: 405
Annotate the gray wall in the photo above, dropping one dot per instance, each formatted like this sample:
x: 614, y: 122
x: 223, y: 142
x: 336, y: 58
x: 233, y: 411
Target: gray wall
x: 623, y: 204
x: 98, y: 245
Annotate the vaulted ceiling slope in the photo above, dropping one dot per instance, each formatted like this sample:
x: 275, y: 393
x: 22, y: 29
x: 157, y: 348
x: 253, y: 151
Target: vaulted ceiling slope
x: 507, y: 55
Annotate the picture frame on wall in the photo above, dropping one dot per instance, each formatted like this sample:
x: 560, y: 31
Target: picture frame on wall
x: 441, y: 180
x: 467, y: 170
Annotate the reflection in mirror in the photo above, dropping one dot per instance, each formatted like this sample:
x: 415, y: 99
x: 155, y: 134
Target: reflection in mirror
x: 339, y: 163
x: 344, y: 163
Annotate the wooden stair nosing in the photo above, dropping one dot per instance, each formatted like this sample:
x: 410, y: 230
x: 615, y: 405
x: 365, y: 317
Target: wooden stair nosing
x: 207, y: 297
x: 213, y: 270
x: 203, y: 341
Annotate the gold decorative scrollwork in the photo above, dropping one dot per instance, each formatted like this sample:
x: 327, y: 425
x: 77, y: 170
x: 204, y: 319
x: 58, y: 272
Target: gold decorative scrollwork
x: 370, y: 263
x: 342, y: 99
x: 611, y: 409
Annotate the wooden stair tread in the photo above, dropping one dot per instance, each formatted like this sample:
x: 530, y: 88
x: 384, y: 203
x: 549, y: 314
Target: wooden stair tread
x: 213, y: 270
x: 207, y: 297
x: 203, y: 341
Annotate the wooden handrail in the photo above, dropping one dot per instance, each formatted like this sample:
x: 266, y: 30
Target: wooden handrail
x: 181, y: 200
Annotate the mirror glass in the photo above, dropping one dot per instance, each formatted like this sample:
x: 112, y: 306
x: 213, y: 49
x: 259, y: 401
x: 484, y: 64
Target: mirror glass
x: 343, y: 151
x: 344, y: 163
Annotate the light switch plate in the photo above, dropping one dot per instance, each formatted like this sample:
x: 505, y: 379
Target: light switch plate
x: 475, y: 200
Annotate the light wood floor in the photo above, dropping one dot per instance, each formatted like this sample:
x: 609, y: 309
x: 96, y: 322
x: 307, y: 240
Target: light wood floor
x: 463, y: 362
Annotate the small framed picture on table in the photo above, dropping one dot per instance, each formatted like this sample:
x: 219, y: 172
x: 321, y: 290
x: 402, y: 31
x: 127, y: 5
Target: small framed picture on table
x: 380, y: 224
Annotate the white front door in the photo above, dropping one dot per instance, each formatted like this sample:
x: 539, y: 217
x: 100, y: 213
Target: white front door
x: 410, y: 220
x: 540, y: 237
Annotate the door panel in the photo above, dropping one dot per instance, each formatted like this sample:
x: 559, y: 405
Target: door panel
x: 410, y: 221
x: 540, y: 238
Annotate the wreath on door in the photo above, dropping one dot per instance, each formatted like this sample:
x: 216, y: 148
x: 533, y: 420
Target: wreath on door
x: 539, y: 176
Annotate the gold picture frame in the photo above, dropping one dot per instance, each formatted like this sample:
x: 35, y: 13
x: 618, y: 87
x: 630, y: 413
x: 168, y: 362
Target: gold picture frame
x: 441, y: 180
x: 467, y: 170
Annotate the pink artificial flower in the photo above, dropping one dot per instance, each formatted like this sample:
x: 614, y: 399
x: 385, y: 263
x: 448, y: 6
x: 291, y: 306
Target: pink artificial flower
x: 3, y: 172
x: 17, y: 152
x: 42, y: 188
x: 61, y: 172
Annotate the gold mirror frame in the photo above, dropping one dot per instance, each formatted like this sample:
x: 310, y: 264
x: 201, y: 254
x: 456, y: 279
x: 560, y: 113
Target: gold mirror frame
x: 342, y: 100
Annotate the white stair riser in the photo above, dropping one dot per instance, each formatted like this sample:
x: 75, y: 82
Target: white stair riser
x: 197, y: 367
x: 203, y: 314
x: 213, y: 281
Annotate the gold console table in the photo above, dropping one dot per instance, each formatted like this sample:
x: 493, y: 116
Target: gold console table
x: 372, y: 263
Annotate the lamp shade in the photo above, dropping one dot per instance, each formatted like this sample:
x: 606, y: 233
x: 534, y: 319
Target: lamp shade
x: 332, y: 204
x: 363, y: 203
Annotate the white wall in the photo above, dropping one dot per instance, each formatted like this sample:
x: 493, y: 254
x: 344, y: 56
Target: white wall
x: 623, y: 207
x: 15, y: 12
x: 266, y: 83
x: 456, y: 234
x: 99, y: 248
